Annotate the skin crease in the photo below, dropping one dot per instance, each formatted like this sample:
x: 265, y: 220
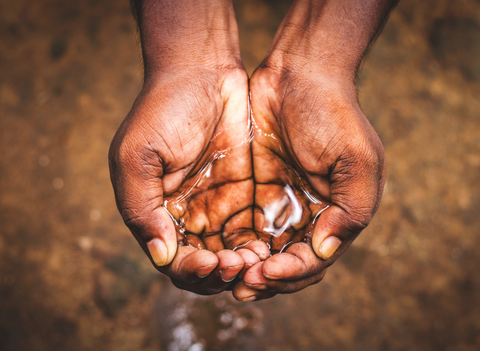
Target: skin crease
x: 194, y: 105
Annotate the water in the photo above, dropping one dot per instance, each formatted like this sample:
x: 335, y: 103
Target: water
x: 244, y: 192
x: 201, y: 323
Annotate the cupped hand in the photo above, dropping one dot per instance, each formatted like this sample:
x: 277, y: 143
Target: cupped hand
x: 310, y: 136
x: 182, y: 173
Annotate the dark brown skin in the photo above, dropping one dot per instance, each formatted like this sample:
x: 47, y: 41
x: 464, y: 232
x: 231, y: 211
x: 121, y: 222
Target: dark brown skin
x: 304, y: 95
x: 194, y: 104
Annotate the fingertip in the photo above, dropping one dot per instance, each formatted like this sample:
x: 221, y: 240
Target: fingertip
x: 158, y: 232
x: 283, y: 266
x: 328, y: 247
x: 205, y: 271
x: 274, y: 267
x: 320, y: 232
x: 260, y: 248
x: 230, y: 264
x: 254, y: 277
x: 229, y: 258
x: 162, y: 254
x: 324, y: 239
x: 299, y: 261
x: 159, y: 252
x: 206, y: 260
x: 243, y: 293
x: 168, y: 233
x: 191, y: 264
x: 249, y: 257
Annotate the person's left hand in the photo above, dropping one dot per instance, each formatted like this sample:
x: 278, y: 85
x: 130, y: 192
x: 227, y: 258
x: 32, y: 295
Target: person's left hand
x: 311, y: 136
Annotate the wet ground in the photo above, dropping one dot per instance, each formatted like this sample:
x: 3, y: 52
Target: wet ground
x: 73, y: 278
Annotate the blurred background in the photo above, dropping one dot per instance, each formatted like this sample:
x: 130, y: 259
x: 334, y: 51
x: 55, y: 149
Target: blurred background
x: 73, y: 278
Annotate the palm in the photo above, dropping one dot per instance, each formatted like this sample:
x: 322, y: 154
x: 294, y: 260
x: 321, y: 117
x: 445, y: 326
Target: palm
x: 190, y: 138
x: 288, y: 196
x: 209, y: 189
x: 310, y: 140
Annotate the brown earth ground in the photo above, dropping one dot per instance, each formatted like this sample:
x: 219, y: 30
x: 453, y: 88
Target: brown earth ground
x: 73, y: 278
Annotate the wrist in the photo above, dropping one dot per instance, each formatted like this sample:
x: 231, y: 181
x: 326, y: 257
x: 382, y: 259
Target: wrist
x: 327, y: 69
x: 283, y: 72
x: 179, y: 34
x: 292, y: 81
x: 329, y: 36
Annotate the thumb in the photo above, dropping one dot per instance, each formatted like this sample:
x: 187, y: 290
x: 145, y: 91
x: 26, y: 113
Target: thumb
x: 136, y: 178
x: 157, y: 231
x: 356, y: 186
x: 334, y: 227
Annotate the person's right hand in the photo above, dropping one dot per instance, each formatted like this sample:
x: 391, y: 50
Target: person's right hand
x: 183, y: 150
x: 184, y: 147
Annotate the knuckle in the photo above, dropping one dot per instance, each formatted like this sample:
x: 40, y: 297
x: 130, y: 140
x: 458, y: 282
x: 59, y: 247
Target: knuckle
x: 358, y: 219
x: 365, y: 154
x: 136, y: 223
x: 370, y: 156
x: 124, y: 150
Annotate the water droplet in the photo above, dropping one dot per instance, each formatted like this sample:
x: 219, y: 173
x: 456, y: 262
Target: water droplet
x: 43, y: 161
x: 456, y: 253
x: 95, y: 215
x: 226, y: 318
x: 58, y: 183
x: 85, y: 243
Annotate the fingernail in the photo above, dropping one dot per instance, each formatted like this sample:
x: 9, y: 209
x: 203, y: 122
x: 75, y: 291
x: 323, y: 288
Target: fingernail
x: 204, y: 271
x: 158, y: 251
x: 228, y: 274
x: 249, y: 298
x: 263, y: 256
x: 328, y: 247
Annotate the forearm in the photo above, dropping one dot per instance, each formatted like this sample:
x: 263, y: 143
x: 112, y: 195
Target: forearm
x: 328, y: 35
x: 179, y: 33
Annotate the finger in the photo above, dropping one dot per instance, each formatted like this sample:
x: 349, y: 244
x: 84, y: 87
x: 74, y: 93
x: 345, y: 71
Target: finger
x: 357, y: 183
x: 238, y: 229
x: 249, y: 259
x: 289, y: 287
x: 243, y: 293
x: 191, y: 265
x: 159, y: 235
x: 259, y: 224
x: 230, y: 264
x: 297, y: 262
x: 334, y: 231
x: 213, y: 242
x: 259, y: 247
x: 135, y: 173
x: 255, y: 279
x: 194, y: 241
